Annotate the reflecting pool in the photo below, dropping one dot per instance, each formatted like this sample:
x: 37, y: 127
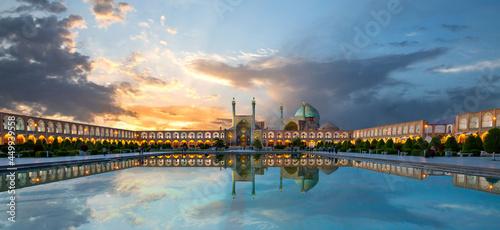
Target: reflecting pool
x: 261, y: 193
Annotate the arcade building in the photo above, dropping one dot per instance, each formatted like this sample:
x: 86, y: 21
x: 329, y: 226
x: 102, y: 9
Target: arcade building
x: 305, y: 124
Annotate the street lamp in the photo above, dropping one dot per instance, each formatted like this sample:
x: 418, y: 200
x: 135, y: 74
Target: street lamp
x: 426, y: 131
x: 35, y: 125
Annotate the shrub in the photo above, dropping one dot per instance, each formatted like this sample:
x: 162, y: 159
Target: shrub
x: 4, y: 149
x: 112, y: 148
x: 408, y: 150
x: 74, y: 153
x: 451, y: 143
x: 475, y: 152
x: 470, y: 144
x: 372, y: 147
x: 84, y: 148
x: 94, y: 152
x: 62, y: 152
x: 398, y: 147
x: 391, y: 151
x: 492, y: 141
x: 37, y: 148
x: 41, y: 154
x: 416, y: 152
x: 408, y: 144
x: 116, y: 151
x: 389, y: 143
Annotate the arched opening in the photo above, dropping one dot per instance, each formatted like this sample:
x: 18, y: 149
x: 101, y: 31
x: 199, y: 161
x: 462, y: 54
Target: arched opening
x: 20, y: 139
x: 291, y: 125
x: 312, y: 143
x: 207, y: 142
x: 287, y: 143
x: 461, y: 138
x: 279, y: 142
x: 183, y: 142
x: 31, y: 138
x: 42, y: 138
x: 243, y: 129
x: 270, y: 143
x: 484, y: 135
x: 59, y: 139
x: 191, y: 144
x: 50, y: 140
x: 175, y: 144
x: 6, y: 139
x: 304, y: 143
x: 198, y: 143
x: 243, y: 141
x: 151, y: 142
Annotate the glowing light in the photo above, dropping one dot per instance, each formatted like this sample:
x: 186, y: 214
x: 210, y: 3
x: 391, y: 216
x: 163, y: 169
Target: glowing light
x: 494, y: 118
x: 37, y: 179
x: 424, y: 176
x: 86, y: 172
x: 491, y: 186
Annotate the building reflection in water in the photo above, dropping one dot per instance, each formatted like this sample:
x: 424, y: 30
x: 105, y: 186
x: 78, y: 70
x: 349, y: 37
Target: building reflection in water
x: 302, y: 168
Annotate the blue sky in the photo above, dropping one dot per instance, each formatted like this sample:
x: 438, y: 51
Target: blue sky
x: 177, y: 64
x: 200, y: 198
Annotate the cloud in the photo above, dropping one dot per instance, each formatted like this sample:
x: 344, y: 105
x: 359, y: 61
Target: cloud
x: 107, y: 12
x: 44, y: 5
x: 181, y: 117
x: 46, y: 67
x: 144, y: 24
x: 403, y: 43
x: 478, y: 66
x: 162, y: 20
x: 454, y: 27
x: 171, y: 31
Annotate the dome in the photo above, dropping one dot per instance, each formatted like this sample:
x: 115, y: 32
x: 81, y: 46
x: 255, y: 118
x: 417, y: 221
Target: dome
x: 310, y: 112
x: 329, y: 126
x: 307, y: 183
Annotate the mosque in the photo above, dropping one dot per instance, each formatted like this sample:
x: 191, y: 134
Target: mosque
x: 305, y: 124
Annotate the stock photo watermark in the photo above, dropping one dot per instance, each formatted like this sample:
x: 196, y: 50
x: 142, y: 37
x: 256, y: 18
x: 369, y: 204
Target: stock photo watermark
x: 363, y: 37
x: 11, y: 177
x: 221, y: 7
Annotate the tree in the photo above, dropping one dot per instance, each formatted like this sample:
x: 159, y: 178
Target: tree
x: 492, y: 141
x: 358, y: 142
x: 374, y: 142
x: 296, y: 142
x: 408, y: 144
x: 366, y: 145
x: 381, y: 144
x: 219, y: 143
x: 436, y: 141
x: 479, y: 143
x: 389, y: 143
x: 84, y: 148
x: 257, y: 144
x: 55, y: 145
x: 470, y: 144
x: 451, y: 144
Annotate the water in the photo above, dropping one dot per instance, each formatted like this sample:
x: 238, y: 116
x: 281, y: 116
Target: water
x: 201, y: 198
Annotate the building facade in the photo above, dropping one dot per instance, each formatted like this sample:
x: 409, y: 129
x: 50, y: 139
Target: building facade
x: 305, y: 124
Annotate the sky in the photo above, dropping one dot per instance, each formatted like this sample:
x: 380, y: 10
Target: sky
x: 170, y: 65
x: 200, y: 198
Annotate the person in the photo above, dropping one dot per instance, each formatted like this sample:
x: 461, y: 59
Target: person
x: 336, y: 149
x: 104, y: 151
x: 141, y: 152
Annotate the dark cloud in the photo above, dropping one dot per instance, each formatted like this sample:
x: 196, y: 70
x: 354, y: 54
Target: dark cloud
x: 454, y: 28
x: 353, y: 95
x: 403, y: 43
x: 421, y: 28
x: 107, y: 12
x: 435, y: 69
x: 45, y: 5
x: 455, y: 40
x: 40, y: 70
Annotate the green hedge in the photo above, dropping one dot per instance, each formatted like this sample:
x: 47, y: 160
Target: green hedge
x: 391, y: 151
x: 416, y: 152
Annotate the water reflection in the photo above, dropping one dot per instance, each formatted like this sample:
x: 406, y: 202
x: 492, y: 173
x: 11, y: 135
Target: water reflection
x: 153, y: 193
x: 303, y: 169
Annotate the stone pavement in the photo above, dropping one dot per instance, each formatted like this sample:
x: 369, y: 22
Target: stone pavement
x: 479, y: 162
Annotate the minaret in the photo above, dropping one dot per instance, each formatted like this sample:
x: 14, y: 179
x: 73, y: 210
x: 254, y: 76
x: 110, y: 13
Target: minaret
x: 281, y: 183
x: 303, y: 185
x: 304, y: 110
x: 252, y: 129
x: 253, y: 178
x: 234, y: 186
x: 234, y: 121
x: 281, y: 120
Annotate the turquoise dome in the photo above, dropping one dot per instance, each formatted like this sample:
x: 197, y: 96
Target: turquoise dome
x: 310, y: 112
